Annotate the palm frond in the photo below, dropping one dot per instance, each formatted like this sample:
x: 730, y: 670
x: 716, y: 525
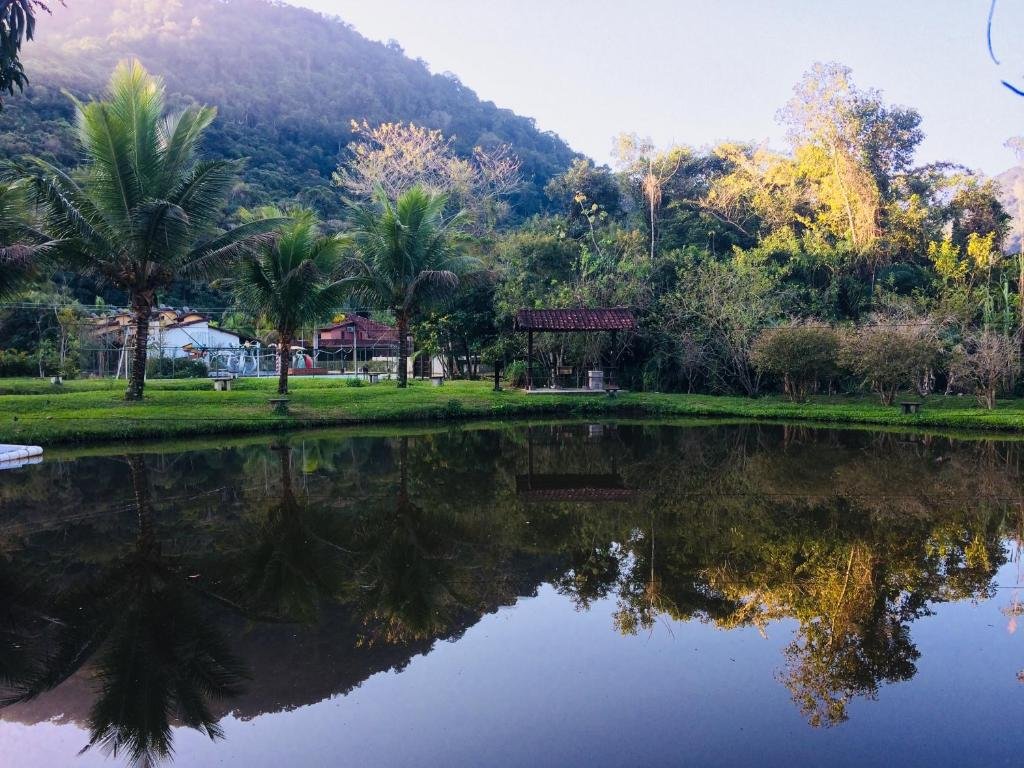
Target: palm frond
x: 216, y: 252
x: 179, y: 136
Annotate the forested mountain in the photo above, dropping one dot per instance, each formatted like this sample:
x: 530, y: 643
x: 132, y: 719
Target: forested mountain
x: 287, y: 83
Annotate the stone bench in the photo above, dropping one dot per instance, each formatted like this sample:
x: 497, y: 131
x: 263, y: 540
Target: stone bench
x: 222, y: 383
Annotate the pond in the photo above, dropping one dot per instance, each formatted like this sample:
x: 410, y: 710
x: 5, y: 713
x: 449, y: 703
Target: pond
x: 552, y: 594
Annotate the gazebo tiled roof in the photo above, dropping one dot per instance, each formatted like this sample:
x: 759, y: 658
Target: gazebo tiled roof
x: 578, y: 319
x: 573, y: 488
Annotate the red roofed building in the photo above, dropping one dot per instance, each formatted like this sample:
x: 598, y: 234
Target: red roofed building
x: 367, y: 333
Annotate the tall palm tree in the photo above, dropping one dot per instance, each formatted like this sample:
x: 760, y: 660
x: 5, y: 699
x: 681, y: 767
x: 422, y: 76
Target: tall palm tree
x: 293, y: 280
x: 143, y: 210
x: 405, y: 253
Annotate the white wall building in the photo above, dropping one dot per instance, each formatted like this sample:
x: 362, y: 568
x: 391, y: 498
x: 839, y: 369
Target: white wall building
x: 190, y: 335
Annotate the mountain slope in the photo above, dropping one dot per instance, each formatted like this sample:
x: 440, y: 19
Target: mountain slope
x: 287, y: 82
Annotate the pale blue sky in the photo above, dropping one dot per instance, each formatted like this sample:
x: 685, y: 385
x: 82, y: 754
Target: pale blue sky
x: 699, y: 72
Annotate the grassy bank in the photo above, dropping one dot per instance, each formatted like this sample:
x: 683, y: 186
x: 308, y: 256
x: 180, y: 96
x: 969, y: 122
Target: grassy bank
x: 33, y: 411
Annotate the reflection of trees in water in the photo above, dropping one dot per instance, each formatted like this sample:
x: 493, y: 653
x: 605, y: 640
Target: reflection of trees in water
x: 415, y: 577
x: 852, y: 536
x: 291, y: 560
x: 854, y: 549
x: 155, y: 656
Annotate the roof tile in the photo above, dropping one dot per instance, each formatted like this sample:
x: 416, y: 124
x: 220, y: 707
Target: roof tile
x: 578, y: 319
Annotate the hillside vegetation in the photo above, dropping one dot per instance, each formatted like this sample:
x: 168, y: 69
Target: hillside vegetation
x: 287, y: 83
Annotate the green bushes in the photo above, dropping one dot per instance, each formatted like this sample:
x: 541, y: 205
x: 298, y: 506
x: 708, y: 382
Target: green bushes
x: 515, y: 373
x: 985, y: 364
x: 175, y: 368
x: 888, y: 355
x: 802, y: 356
x: 14, y: 363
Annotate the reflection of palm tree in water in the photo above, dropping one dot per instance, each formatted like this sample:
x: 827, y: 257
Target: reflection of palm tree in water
x: 155, y: 655
x: 25, y: 626
x: 291, y: 566
x: 406, y: 580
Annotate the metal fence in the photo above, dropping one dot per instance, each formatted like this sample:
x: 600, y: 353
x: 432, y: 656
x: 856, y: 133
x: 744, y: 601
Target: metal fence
x: 253, y: 360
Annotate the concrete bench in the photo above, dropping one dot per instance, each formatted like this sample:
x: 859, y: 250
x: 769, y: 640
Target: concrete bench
x: 437, y: 381
x: 222, y: 383
x: 910, y: 406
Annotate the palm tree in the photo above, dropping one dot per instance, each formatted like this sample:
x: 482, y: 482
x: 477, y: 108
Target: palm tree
x: 292, y: 280
x: 404, y: 254
x: 21, y: 245
x: 143, y: 210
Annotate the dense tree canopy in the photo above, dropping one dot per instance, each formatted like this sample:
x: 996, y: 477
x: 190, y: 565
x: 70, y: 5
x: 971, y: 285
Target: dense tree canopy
x: 711, y: 247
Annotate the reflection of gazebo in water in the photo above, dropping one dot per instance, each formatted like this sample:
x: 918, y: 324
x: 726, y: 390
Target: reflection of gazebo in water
x: 569, y: 486
x: 578, y: 320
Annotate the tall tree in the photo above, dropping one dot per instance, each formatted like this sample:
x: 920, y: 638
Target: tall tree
x: 849, y: 145
x: 397, y: 156
x: 650, y: 171
x: 406, y: 253
x: 143, y: 210
x: 293, y: 281
x: 17, y: 24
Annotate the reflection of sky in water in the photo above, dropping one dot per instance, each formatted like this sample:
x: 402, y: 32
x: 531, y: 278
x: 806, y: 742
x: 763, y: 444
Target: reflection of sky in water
x: 540, y: 684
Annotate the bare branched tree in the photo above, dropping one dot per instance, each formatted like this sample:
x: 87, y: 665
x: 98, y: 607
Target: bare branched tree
x: 395, y: 157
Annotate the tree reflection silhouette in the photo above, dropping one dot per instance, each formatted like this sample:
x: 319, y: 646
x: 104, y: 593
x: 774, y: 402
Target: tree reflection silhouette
x: 291, y: 562
x: 409, y: 580
x: 840, y: 541
x: 156, y: 657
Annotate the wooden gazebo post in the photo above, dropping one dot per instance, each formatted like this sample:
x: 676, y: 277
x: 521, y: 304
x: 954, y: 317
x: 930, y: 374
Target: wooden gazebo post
x: 529, y: 359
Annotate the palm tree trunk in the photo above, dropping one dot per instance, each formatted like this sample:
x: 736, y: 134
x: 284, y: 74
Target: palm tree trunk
x: 142, y: 306
x: 403, y: 349
x: 139, y: 473
x: 287, y: 492
x: 403, y: 471
x: 284, y: 352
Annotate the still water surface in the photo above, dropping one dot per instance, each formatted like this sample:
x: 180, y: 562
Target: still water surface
x: 551, y: 595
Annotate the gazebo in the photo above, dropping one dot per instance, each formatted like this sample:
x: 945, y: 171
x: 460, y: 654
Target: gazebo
x: 578, y: 320
x: 592, y: 486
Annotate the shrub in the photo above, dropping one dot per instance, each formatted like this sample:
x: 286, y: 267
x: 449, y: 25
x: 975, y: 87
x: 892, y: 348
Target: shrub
x: 802, y: 356
x: 15, y: 363
x: 985, y: 363
x: 889, y: 355
x: 515, y: 373
x: 175, y: 368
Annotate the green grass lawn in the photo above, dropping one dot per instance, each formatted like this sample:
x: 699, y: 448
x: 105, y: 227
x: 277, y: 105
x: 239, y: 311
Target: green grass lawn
x: 36, y: 412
